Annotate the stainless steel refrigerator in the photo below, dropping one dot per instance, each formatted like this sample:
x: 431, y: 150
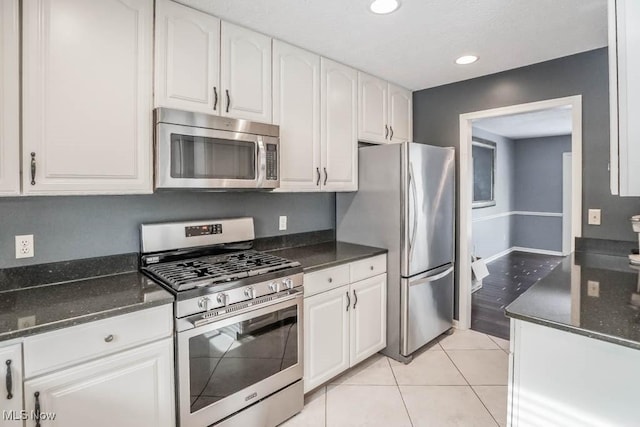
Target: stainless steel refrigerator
x: 405, y: 203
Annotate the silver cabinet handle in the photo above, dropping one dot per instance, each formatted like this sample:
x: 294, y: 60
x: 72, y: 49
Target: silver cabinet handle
x: 386, y: 131
x: 391, y: 136
x: 228, y: 100
x: 215, y: 98
x: 348, y: 300
x: 318, y: 172
x: 108, y: 338
x: 33, y: 168
x: 326, y: 176
x: 355, y: 296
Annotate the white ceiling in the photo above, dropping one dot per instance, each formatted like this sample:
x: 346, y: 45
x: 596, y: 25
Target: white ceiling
x: 416, y: 46
x: 537, y: 124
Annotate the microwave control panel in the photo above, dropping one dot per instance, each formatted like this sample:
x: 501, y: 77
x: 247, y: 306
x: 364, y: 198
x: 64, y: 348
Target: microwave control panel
x: 272, y: 162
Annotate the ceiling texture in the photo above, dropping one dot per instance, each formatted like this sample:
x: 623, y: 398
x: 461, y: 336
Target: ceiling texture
x: 536, y: 124
x: 416, y: 46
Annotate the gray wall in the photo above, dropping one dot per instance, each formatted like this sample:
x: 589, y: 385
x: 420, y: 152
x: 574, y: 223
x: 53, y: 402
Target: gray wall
x: 67, y: 228
x: 493, y: 235
x: 538, y: 188
x: 436, y: 115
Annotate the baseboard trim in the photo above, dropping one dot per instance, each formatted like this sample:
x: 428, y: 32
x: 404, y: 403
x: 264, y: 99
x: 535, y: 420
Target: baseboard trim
x: 494, y: 257
x: 537, y: 251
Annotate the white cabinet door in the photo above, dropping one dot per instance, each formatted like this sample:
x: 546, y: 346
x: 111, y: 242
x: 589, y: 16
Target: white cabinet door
x: 187, y: 55
x: 129, y: 389
x: 9, y: 98
x: 11, y: 398
x: 625, y: 96
x: 296, y: 108
x: 368, y: 317
x: 87, y: 96
x: 339, y: 126
x: 245, y: 74
x: 373, y: 124
x: 326, y: 330
x: 400, y: 113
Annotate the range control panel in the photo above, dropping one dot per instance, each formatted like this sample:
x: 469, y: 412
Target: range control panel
x: 203, y: 230
x: 272, y: 162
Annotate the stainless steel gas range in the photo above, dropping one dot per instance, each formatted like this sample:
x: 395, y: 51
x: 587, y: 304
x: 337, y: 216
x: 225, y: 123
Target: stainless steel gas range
x: 238, y: 322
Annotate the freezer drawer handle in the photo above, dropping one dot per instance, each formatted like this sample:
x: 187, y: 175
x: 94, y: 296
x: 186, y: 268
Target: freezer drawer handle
x: 348, y: 300
x: 9, y: 381
x: 433, y: 278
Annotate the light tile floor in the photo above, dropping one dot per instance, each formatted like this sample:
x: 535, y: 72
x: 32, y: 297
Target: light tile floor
x: 460, y: 380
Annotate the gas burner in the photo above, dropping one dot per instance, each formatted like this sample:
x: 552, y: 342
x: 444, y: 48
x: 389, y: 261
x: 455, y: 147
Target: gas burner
x: 210, y: 270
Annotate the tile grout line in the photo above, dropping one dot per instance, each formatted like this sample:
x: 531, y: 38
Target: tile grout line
x: 472, y: 389
x: 400, y: 392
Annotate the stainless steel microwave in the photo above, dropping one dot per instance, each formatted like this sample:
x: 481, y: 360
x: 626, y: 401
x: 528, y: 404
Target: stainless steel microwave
x: 206, y: 152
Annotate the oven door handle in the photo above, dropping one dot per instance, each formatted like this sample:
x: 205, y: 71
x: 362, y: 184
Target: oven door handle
x: 261, y: 155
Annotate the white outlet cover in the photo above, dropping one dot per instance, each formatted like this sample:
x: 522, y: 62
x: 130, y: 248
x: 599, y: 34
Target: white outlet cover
x: 282, y: 223
x: 24, y: 246
x: 594, y: 216
x: 593, y: 288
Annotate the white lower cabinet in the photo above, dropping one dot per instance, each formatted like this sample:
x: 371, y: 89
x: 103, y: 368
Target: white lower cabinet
x: 129, y: 389
x: 11, y: 390
x: 342, y: 326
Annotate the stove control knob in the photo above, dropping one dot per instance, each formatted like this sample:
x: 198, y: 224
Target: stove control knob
x: 288, y: 283
x: 250, y: 292
x: 204, y: 302
x: 274, y: 287
x: 223, y: 299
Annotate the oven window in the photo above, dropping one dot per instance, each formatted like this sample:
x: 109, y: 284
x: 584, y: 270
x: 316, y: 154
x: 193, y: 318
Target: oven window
x: 226, y: 360
x: 212, y: 158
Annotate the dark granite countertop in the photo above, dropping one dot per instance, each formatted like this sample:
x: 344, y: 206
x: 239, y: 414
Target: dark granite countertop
x: 329, y: 254
x: 566, y: 300
x: 31, y: 304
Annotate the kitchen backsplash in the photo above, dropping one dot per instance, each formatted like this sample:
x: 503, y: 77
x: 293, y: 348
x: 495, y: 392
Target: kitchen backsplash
x: 74, y: 227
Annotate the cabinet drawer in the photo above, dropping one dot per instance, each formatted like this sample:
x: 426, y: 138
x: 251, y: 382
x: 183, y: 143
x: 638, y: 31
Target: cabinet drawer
x: 369, y: 267
x: 54, y: 350
x: 324, y: 280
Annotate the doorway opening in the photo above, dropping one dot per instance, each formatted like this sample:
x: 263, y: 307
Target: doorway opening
x: 520, y: 203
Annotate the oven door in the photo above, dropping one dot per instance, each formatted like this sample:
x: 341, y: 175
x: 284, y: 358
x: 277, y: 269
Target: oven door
x: 230, y: 364
x: 201, y: 158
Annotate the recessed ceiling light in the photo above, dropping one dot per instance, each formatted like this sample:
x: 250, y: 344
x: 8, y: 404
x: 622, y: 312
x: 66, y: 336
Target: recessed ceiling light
x: 384, y: 6
x: 467, y: 59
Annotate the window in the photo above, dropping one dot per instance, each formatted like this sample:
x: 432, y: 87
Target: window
x: 484, y: 163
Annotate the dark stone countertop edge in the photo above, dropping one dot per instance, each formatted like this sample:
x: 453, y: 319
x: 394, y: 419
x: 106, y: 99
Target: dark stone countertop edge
x: 346, y: 260
x: 87, y: 318
x: 573, y: 329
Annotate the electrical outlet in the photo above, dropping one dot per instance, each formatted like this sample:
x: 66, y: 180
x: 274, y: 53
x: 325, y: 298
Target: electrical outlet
x: 593, y: 288
x: 26, y: 322
x: 594, y: 216
x: 24, y: 246
x: 282, y: 223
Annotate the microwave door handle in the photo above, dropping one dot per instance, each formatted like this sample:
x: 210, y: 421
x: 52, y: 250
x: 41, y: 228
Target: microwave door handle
x: 261, y: 155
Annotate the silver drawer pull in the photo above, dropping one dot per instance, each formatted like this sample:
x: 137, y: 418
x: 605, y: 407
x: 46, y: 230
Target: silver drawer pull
x: 108, y: 338
x: 330, y: 280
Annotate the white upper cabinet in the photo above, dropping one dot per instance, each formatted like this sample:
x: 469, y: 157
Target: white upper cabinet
x: 87, y: 96
x: 296, y: 108
x: 339, y: 126
x: 400, y: 113
x: 373, y: 123
x: 187, y: 58
x: 9, y: 98
x: 624, y: 73
x: 245, y: 74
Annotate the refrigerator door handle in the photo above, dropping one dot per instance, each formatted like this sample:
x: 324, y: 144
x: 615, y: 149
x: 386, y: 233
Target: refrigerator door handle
x: 412, y: 184
x: 432, y: 278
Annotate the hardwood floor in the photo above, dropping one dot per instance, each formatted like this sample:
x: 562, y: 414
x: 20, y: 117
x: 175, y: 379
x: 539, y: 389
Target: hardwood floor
x: 509, y: 276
